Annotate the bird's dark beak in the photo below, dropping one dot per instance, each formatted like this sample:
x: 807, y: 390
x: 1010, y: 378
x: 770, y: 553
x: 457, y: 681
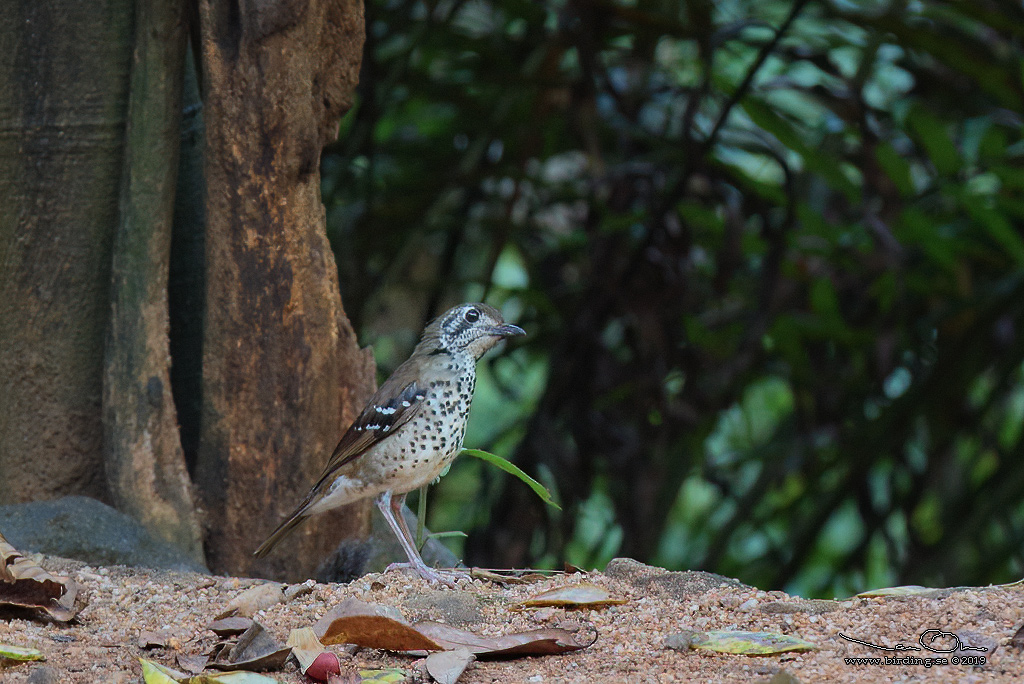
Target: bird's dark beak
x: 507, y: 330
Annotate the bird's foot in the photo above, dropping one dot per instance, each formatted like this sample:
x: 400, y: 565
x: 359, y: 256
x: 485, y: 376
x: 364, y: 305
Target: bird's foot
x: 446, y: 576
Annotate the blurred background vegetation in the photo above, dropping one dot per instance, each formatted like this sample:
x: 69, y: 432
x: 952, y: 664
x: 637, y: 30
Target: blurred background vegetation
x: 769, y: 256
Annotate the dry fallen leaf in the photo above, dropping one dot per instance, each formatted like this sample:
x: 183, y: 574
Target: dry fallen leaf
x: 230, y: 626
x: 582, y: 595
x: 906, y: 590
x: 447, y: 666
x: 253, y: 600
x: 157, y: 639
x: 1017, y: 640
x: 531, y: 643
x: 372, y: 626
x: 376, y: 626
x: 305, y: 647
x: 25, y: 585
x: 296, y: 590
x: 155, y: 673
x: 255, y: 651
x: 193, y: 664
x: 507, y: 577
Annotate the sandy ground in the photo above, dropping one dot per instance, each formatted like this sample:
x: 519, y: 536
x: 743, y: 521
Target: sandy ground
x: 102, y: 645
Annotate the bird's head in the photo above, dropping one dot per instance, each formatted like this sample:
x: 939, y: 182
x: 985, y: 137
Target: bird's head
x: 467, y: 328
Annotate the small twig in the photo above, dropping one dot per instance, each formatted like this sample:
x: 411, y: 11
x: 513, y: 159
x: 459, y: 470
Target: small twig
x: 748, y: 80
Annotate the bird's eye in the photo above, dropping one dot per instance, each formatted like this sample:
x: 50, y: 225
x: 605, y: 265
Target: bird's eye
x: 472, y: 316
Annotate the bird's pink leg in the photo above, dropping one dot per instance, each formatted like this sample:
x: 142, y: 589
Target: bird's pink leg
x: 391, y: 507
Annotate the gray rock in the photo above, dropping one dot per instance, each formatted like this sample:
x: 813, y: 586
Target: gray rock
x: 353, y: 558
x: 679, y: 642
x: 385, y: 548
x: 87, y: 530
x: 671, y: 583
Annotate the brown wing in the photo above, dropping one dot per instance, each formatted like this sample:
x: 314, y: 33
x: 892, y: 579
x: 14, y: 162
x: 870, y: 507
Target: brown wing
x: 389, y: 408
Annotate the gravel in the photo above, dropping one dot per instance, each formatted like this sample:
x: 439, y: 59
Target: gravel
x: 124, y: 603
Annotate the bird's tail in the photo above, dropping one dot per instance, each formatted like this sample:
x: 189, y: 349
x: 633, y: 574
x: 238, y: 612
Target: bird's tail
x: 282, y: 531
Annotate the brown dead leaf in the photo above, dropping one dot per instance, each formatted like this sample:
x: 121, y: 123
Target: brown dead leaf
x: 582, y: 595
x: 531, y: 643
x: 25, y: 585
x: 157, y: 639
x: 376, y: 626
x: 255, y: 651
x: 1017, y: 640
x: 193, y: 664
x: 230, y: 626
x: 253, y: 600
x: 296, y: 590
x: 372, y: 626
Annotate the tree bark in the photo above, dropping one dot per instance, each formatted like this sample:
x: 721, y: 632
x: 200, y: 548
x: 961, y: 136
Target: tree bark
x: 63, y: 87
x: 145, y: 464
x: 283, y: 374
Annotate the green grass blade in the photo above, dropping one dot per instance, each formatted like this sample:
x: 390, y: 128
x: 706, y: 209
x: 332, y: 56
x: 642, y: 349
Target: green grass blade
x: 511, y: 468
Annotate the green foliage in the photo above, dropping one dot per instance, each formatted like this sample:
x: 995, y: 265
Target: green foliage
x: 511, y: 468
x: 769, y: 256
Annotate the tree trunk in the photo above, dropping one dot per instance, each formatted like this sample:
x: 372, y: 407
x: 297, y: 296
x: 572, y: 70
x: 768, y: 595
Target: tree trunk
x: 63, y: 88
x: 145, y: 463
x: 283, y: 374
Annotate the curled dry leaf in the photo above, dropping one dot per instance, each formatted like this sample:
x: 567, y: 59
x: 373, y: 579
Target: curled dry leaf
x: 372, y: 626
x: 231, y: 626
x: 253, y: 600
x: 905, y: 590
x: 157, y: 639
x: 296, y: 590
x: 255, y: 651
x: 25, y: 585
x: 447, y: 666
x: 305, y: 647
x: 1017, y: 640
x: 531, y: 643
x: 375, y: 626
x: 582, y: 595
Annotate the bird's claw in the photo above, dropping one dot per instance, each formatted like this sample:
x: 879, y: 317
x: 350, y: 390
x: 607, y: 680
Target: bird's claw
x: 447, y: 577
